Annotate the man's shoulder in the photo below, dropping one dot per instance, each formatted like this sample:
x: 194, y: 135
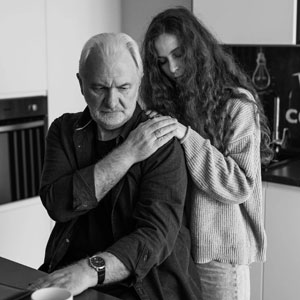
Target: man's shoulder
x: 170, y: 155
x: 66, y: 124
x: 71, y: 120
x: 69, y: 117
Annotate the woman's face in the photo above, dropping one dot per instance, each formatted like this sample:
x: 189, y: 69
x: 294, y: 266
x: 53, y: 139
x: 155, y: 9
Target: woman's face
x: 169, y: 55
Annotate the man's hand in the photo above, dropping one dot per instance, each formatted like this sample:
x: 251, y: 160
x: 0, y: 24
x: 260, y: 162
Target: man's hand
x: 76, y: 278
x: 150, y: 135
x: 141, y: 143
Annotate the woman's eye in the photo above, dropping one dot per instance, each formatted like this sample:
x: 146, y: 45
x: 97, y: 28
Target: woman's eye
x: 177, y: 54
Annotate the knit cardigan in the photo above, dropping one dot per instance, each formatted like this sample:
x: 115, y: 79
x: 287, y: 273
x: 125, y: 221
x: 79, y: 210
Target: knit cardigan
x: 226, y: 203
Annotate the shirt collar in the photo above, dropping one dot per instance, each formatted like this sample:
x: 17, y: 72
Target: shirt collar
x: 86, y: 120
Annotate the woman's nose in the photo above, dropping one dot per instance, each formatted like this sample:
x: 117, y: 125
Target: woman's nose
x: 173, y: 66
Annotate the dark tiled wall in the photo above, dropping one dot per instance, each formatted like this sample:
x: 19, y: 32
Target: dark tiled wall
x: 272, y: 67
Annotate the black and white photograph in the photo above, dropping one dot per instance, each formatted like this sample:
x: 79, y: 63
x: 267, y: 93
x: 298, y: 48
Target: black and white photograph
x: 149, y: 149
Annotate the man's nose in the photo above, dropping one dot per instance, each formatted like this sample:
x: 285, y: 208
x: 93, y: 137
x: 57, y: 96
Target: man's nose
x: 112, y: 98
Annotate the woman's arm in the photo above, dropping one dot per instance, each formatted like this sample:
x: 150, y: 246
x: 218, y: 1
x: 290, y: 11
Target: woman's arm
x: 227, y: 178
x: 230, y: 178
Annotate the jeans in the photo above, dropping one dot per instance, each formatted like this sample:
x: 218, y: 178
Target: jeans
x: 224, y: 281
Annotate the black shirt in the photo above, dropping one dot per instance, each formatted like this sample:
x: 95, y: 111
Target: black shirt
x: 93, y: 231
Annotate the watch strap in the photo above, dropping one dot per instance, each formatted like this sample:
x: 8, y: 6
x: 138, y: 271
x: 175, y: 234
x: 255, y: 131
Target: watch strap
x: 98, y: 264
x: 101, y: 277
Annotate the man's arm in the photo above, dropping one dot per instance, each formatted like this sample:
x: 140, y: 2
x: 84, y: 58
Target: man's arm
x: 157, y: 214
x: 80, y: 276
x: 67, y: 192
x: 157, y: 217
x: 141, y: 143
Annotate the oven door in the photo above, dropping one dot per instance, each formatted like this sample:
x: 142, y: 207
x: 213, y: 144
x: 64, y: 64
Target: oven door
x: 21, y: 158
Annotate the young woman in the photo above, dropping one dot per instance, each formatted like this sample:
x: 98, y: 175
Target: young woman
x: 224, y: 133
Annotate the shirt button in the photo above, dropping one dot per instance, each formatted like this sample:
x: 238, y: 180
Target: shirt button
x: 140, y: 291
x: 145, y: 257
x: 67, y: 241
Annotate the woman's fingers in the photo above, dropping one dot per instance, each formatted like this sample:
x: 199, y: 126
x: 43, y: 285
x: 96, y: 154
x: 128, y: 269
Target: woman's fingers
x: 152, y: 114
x: 164, y: 138
x: 161, y: 126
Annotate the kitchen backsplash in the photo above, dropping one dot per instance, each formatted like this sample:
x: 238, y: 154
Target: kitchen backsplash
x: 275, y: 72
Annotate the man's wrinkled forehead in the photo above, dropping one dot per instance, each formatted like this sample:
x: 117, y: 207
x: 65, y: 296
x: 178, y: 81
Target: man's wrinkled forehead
x: 109, y: 61
x: 108, y: 54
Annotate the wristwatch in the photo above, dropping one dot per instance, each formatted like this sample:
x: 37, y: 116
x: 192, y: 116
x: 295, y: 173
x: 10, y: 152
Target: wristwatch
x: 98, y: 264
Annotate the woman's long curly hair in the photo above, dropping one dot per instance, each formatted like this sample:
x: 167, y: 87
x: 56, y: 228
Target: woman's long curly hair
x: 211, y: 77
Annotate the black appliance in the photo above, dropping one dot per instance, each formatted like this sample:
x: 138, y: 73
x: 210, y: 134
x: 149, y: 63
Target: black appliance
x: 23, y: 126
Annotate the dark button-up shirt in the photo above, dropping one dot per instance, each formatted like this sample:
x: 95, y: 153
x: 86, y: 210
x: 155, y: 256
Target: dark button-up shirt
x: 147, y: 212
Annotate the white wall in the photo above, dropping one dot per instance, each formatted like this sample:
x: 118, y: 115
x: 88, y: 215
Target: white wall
x: 69, y: 24
x: 137, y: 14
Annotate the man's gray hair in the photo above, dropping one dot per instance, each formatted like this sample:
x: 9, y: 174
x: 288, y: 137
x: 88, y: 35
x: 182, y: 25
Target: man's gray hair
x: 110, y: 44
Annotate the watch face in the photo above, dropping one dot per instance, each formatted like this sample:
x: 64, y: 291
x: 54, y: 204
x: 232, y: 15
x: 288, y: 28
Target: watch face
x: 97, y: 262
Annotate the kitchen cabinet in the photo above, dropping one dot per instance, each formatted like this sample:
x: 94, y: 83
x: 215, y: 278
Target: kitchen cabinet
x: 249, y: 22
x: 24, y: 230
x: 137, y: 14
x: 23, y: 48
x: 281, y: 270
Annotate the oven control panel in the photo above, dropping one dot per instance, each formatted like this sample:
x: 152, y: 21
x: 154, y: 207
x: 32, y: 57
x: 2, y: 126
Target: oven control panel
x: 23, y: 107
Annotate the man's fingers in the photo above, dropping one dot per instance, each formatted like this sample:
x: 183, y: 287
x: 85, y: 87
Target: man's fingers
x: 54, y: 279
x: 38, y: 285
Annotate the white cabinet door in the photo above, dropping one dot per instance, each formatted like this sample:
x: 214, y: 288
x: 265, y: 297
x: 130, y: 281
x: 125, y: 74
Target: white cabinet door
x: 23, y: 48
x: 24, y: 231
x: 249, y: 21
x: 281, y: 270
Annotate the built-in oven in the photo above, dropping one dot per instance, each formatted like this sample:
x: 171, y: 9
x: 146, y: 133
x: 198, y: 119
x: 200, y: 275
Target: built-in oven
x: 23, y: 126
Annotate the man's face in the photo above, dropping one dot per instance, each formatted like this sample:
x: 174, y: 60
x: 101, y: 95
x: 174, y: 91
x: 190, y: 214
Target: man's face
x: 110, y: 87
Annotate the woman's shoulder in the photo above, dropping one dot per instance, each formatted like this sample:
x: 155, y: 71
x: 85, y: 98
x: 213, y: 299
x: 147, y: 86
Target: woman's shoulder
x: 244, y: 113
x: 247, y: 93
x: 243, y: 103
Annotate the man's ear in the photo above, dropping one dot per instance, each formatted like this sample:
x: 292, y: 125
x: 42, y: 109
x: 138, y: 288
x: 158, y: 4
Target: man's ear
x: 80, y: 82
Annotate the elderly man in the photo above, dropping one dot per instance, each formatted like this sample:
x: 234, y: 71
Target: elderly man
x: 119, y: 208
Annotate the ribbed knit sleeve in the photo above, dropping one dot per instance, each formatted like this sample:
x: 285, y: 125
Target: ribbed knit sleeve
x: 227, y: 179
